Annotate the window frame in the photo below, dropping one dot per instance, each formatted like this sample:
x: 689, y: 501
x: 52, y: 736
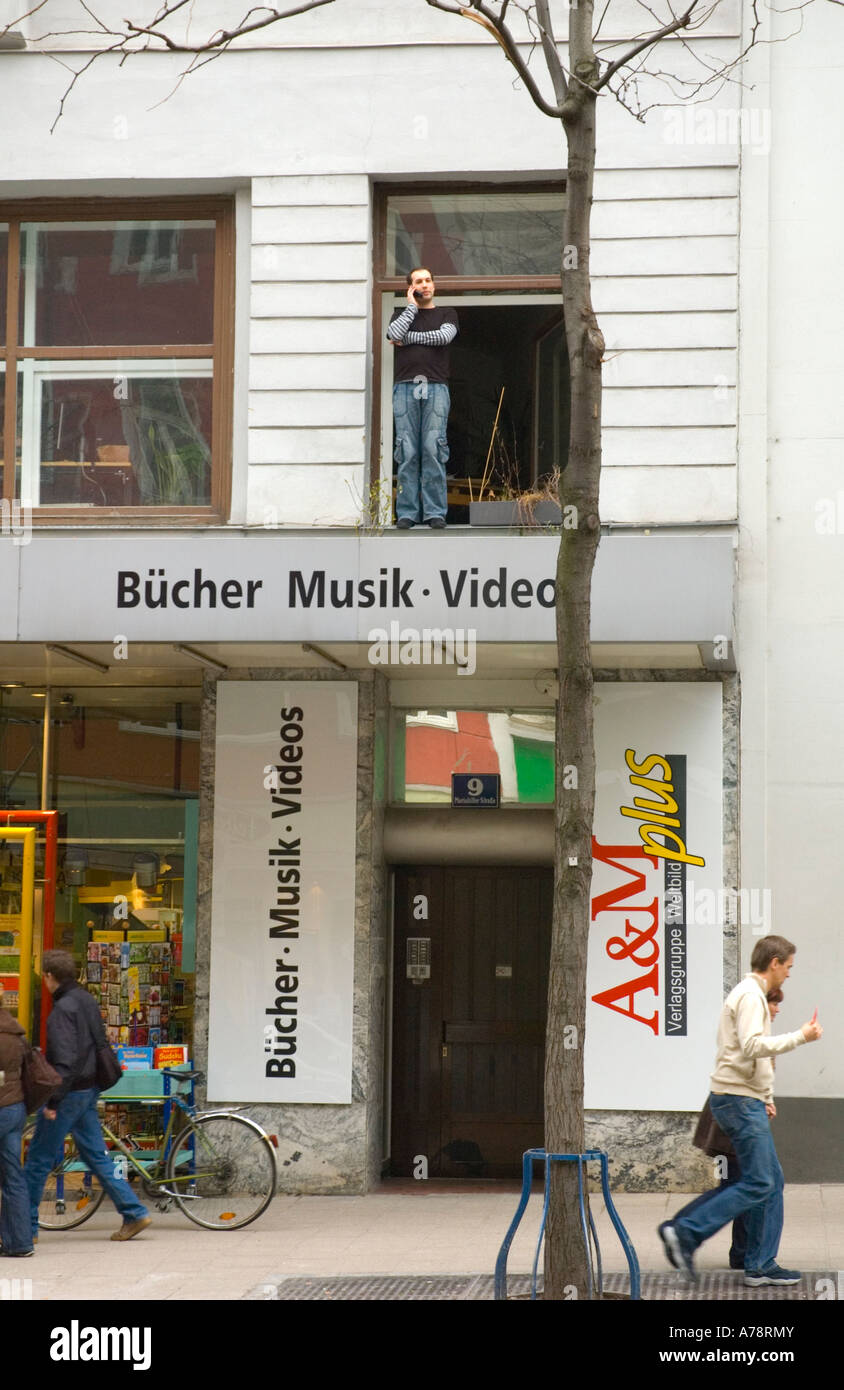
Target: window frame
x: 220, y: 351
x: 382, y: 283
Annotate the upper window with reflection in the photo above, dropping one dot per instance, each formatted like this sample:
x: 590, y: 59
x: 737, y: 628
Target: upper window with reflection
x: 475, y: 234
x: 116, y: 283
x: 116, y: 325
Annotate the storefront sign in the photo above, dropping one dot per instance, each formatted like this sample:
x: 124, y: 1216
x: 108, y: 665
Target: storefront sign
x: 654, y: 973
x: 283, y: 906
x: 274, y: 587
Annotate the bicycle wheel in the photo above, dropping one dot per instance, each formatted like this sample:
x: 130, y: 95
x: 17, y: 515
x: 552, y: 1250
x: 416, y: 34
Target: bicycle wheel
x: 222, y: 1171
x: 71, y: 1193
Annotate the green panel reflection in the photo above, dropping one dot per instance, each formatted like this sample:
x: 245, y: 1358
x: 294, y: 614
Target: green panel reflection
x: 534, y: 770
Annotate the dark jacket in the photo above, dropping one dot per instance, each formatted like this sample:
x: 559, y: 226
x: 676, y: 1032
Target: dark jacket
x: 74, y: 1033
x: 12, y: 1043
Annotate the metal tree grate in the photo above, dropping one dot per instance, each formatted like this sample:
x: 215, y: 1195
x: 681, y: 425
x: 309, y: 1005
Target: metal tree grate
x: 717, y: 1286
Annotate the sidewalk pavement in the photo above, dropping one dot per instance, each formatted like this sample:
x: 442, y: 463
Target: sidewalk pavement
x: 404, y: 1228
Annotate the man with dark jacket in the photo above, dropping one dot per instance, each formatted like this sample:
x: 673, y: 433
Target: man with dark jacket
x: 15, y: 1239
x: 74, y: 1033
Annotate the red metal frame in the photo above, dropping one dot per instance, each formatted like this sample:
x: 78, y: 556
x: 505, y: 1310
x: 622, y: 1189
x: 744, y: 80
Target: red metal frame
x: 50, y: 822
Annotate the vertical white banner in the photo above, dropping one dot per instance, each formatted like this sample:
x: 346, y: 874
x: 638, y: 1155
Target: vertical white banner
x: 283, y: 894
x: 655, y: 965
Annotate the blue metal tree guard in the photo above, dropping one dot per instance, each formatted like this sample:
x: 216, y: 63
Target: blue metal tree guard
x: 532, y: 1156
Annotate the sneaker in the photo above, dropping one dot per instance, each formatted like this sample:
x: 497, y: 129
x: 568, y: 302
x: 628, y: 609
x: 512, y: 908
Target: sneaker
x: 17, y: 1254
x: 660, y: 1230
x: 404, y: 523
x: 753, y: 1278
x: 437, y: 523
x: 680, y: 1257
x: 132, y: 1228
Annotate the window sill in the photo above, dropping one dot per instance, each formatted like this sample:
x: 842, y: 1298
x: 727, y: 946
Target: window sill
x: 45, y: 517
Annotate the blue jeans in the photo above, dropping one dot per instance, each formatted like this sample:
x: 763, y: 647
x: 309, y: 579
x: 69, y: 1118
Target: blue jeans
x: 420, y: 413
x: 739, y: 1245
x: 758, y: 1191
x: 14, y: 1208
x: 76, y: 1115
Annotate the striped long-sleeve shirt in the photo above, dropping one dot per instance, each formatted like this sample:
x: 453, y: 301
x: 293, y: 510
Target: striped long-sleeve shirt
x: 401, y: 331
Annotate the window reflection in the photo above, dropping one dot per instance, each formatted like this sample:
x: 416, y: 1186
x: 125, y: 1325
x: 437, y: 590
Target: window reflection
x: 86, y: 284
x: 474, y: 234
x: 433, y: 744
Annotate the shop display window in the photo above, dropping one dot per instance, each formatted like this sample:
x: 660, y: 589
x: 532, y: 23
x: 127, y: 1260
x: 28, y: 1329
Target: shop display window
x: 124, y: 775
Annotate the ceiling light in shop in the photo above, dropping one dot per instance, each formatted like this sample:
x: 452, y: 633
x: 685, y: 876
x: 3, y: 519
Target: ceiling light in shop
x: 75, y: 866
x: 145, y: 870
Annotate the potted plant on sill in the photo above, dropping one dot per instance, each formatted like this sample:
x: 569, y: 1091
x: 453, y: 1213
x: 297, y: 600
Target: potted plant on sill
x: 537, y: 507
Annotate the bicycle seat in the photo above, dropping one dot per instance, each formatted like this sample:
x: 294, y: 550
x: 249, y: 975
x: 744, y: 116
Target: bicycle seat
x: 183, y: 1075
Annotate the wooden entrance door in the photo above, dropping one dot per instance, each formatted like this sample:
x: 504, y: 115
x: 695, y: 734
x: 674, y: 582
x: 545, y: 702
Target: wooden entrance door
x: 469, y: 1005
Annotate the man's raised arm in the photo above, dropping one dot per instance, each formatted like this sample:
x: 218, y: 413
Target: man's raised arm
x: 750, y: 1023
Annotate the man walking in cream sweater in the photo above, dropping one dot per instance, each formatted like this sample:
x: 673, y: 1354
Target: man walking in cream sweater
x: 742, y: 1103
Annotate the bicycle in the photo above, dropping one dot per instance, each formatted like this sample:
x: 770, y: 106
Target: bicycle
x: 219, y: 1168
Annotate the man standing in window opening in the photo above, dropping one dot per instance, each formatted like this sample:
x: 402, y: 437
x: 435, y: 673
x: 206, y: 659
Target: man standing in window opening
x: 74, y: 1033
x: 421, y: 402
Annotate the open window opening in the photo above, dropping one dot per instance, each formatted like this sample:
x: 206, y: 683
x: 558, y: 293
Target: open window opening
x: 495, y: 258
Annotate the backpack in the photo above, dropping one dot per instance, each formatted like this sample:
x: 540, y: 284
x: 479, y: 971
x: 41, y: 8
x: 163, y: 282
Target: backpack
x: 38, y: 1079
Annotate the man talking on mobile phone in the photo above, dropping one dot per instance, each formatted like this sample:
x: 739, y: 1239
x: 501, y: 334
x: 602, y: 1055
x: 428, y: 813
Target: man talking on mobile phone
x: 421, y: 334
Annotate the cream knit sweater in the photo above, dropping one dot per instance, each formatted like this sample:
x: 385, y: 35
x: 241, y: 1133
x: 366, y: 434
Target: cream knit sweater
x: 743, y: 1065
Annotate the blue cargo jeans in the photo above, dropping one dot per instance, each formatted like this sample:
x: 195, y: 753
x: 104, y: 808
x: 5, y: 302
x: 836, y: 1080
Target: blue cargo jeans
x: 420, y: 413
x: 758, y: 1192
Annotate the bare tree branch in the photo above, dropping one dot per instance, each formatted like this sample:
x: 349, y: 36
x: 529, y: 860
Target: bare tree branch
x: 481, y: 14
x: 103, y: 28
x: 21, y: 17
x: 77, y: 73
x: 549, y: 48
x: 222, y: 36
x: 603, y: 17
x: 648, y: 42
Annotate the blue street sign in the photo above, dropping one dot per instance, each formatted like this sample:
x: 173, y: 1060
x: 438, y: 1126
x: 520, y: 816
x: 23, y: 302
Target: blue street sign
x: 475, y: 789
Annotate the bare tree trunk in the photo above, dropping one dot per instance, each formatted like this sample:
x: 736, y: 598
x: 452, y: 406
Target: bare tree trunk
x: 565, y: 1254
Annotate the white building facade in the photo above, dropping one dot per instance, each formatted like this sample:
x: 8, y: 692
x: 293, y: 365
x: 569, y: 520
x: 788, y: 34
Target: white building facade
x: 198, y: 276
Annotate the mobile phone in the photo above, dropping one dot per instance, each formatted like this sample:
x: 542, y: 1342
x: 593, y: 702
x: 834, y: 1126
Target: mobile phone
x: 417, y: 294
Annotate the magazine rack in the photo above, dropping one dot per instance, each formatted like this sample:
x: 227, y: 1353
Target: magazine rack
x: 151, y: 1087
